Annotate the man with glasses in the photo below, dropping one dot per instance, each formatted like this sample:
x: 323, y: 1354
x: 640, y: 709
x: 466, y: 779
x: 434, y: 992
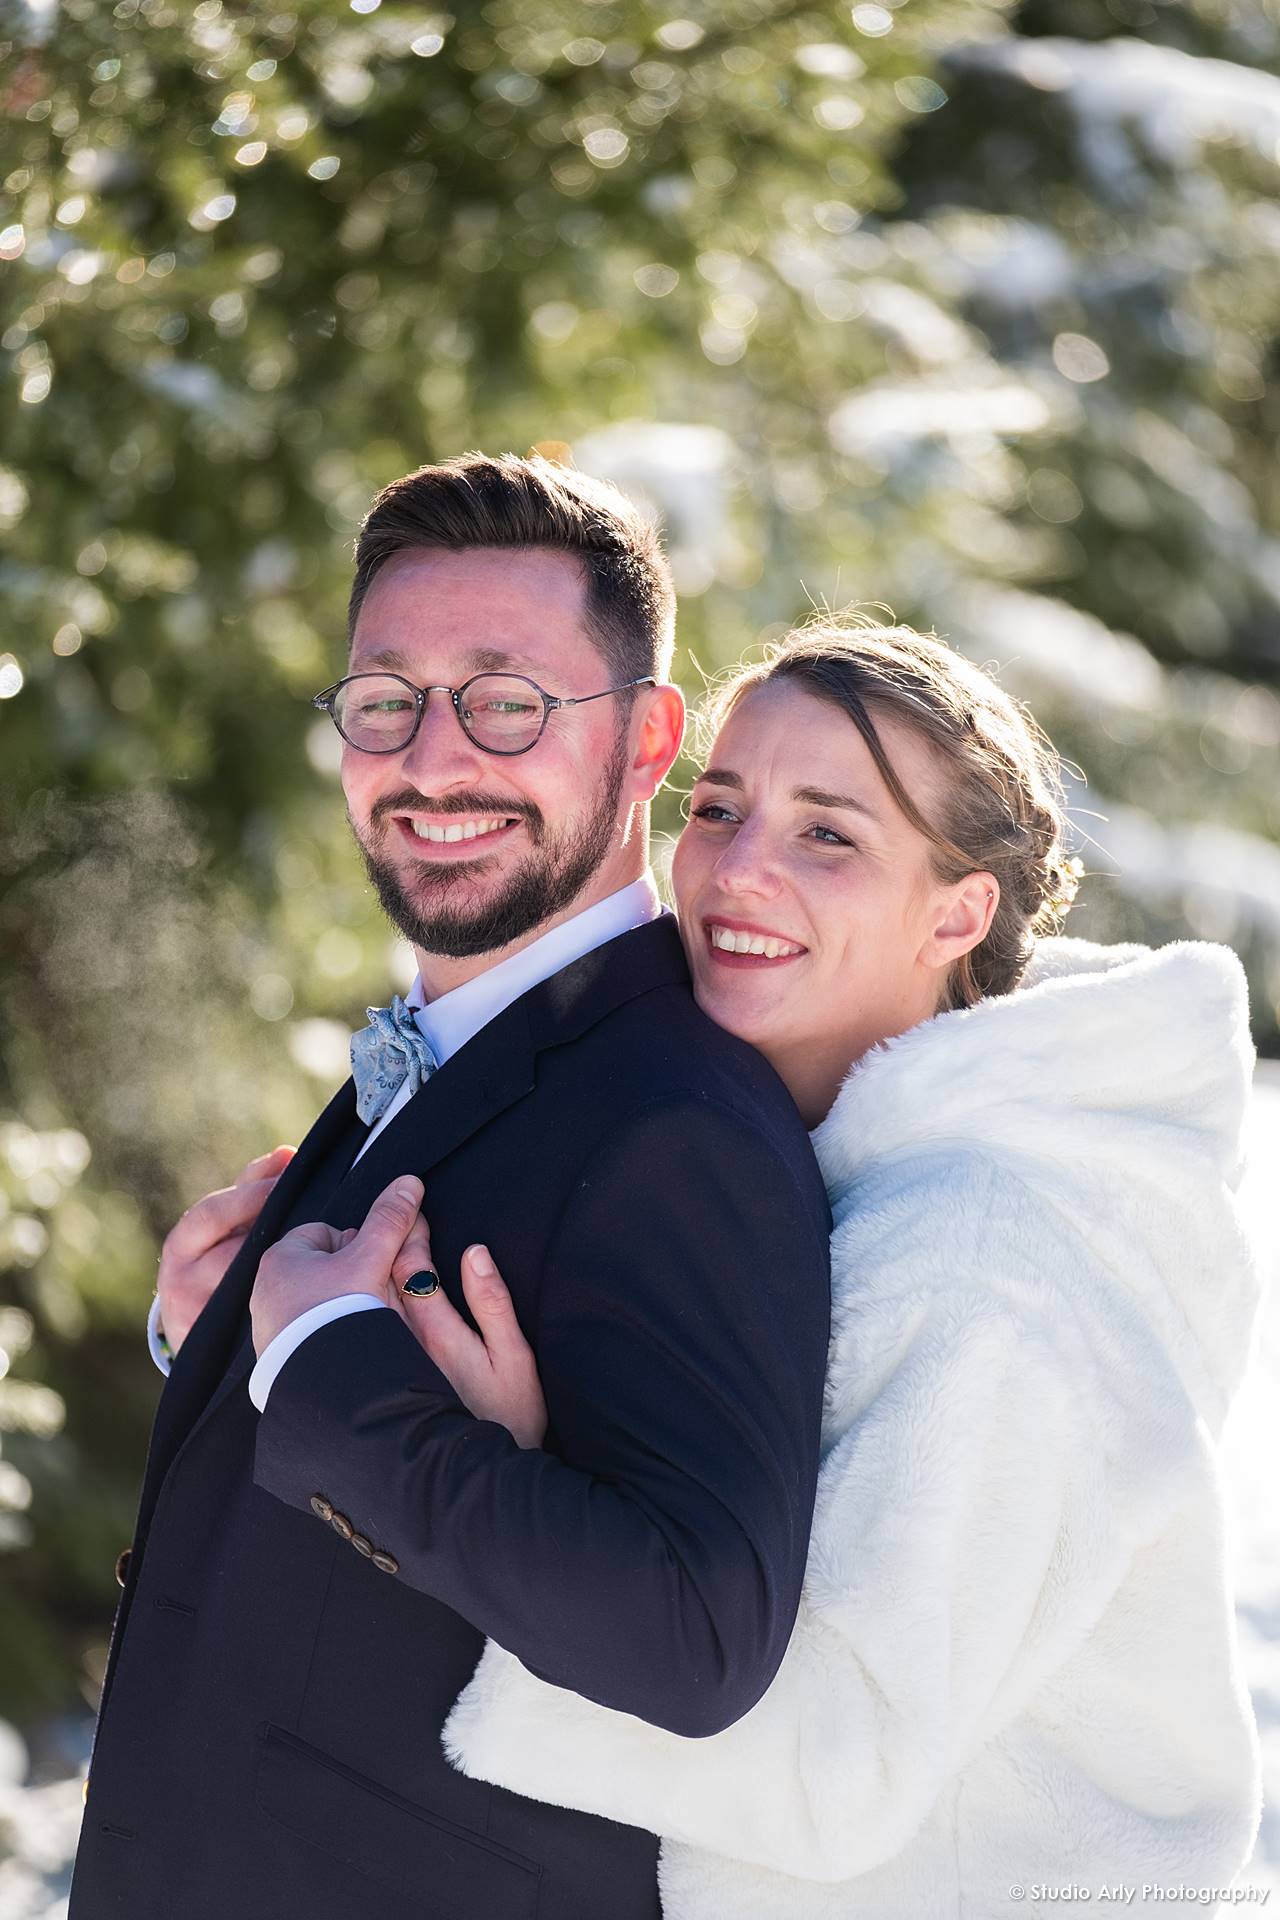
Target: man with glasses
x: 326, y: 1535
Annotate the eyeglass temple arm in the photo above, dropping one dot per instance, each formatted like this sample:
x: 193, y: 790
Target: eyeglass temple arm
x: 580, y: 700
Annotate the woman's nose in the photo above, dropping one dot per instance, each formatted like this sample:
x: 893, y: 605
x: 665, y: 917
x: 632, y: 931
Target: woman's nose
x: 747, y: 864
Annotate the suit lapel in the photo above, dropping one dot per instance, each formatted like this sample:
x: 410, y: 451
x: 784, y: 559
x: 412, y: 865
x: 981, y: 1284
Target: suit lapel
x: 494, y: 1070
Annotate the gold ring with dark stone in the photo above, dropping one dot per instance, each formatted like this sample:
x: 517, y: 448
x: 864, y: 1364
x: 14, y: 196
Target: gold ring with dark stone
x: 419, y: 1285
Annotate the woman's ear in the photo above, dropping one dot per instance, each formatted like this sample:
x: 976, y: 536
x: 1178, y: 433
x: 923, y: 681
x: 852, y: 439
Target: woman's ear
x: 962, y: 920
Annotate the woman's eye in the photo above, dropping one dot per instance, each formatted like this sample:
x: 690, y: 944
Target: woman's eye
x: 830, y: 838
x: 712, y: 811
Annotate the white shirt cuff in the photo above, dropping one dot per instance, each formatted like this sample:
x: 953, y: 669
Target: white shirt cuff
x: 277, y: 1351
x: 154, y: 1348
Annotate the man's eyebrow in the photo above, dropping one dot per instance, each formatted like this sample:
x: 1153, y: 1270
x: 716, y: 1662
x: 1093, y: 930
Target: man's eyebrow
x: 486, y: 659
x: 385, y: 657
x: 808, y: 796
x: 481, y: 660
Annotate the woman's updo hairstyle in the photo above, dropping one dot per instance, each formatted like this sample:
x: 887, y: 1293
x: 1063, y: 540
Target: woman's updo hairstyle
x: 1001, y: 799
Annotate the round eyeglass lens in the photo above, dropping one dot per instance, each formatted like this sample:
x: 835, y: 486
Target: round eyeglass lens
x: 502, y: 712
x: 375, y: 711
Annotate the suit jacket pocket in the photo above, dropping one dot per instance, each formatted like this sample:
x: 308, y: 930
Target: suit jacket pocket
x: 455, y: 1873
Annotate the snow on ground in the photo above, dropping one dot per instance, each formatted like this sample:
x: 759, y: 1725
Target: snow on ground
x: 39, y: 1824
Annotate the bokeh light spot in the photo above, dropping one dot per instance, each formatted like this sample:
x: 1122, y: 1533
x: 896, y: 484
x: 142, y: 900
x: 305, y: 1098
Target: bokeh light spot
x: 1079, y: 358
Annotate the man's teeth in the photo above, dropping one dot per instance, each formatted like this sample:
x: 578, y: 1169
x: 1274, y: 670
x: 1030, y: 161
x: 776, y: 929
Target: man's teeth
x: 473, y: 830
x: 750, y: 943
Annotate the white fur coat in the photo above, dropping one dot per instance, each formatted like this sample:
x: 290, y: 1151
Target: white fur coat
x: 1014, y: 1663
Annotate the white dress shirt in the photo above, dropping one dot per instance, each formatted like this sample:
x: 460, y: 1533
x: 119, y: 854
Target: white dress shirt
x: 447, y: 1024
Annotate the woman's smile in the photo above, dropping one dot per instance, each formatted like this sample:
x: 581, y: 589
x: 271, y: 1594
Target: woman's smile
x: 745, y: 943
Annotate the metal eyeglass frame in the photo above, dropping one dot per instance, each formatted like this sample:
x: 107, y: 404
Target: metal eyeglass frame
x: 550, y: 702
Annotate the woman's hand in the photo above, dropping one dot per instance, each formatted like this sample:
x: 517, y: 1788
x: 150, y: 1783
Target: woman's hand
x: 493, y: 1372
x: 199, y: 1249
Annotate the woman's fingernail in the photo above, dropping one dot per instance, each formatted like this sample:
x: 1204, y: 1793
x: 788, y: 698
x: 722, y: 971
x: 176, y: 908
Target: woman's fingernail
x: 419, y: 1285
x: 481, y: 1261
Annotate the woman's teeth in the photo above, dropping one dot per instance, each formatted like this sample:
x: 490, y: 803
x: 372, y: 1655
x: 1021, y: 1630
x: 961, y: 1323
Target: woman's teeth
x: 732, y: 942
x: 473, y: 830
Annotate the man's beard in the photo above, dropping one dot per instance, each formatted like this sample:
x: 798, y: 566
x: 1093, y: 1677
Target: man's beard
x: 546, y: 882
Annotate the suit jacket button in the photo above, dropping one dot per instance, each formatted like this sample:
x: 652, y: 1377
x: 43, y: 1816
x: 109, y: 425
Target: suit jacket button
x: 340, y: 1524
x: 386, y: 1561
x: 362, y: 1545
x: 122, y: 1564
x: 321, y: 1506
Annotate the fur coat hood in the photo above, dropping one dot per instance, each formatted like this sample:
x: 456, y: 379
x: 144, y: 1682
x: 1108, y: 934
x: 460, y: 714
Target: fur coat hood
x: 1014, y: 1662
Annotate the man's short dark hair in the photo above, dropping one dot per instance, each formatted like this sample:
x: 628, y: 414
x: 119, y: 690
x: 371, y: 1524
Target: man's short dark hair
x: 476, y: 500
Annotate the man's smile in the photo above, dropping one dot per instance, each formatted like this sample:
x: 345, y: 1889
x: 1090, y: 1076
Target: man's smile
x: 434, y: 837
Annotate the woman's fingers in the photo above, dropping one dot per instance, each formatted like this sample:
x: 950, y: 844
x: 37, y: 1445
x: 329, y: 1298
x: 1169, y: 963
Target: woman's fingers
x: 229, y: 1210
x: 267, y: 1166
x: 506, y: 1387
x: 492, y: 1371
x: 432, y: 1318
x: 198, y: 1250
x: 185, y: 1290
x: 512, y: 1392
x: 445, y: 1336
x: 414, y: 1255
x: 210, y: 1269
x: 490, y: 1302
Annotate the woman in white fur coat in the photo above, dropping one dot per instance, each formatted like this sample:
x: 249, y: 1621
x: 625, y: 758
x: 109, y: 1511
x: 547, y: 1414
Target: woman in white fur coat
x: 1014, y: 1668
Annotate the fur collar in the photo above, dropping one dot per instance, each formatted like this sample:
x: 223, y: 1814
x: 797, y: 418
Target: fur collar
x: 1112, y: 1074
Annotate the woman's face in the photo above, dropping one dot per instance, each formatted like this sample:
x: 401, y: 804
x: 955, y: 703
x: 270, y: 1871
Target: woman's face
x: 795, y: 846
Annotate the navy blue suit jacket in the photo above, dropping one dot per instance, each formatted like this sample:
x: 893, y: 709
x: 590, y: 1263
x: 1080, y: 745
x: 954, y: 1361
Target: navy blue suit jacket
x: 268, y: 1739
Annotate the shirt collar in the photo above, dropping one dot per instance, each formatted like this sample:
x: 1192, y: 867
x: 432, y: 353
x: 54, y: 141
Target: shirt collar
x: 449, y: 1021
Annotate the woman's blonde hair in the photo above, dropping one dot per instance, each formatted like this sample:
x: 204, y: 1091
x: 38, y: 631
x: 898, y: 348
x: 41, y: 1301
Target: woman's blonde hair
x: 1003, y: 808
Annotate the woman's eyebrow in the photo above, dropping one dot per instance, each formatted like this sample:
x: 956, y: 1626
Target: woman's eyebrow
x: 807, y: 796
x: 819, y: 797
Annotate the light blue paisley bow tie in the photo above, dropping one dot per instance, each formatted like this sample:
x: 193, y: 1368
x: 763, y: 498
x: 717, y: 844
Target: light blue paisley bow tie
x: 390, y: 1048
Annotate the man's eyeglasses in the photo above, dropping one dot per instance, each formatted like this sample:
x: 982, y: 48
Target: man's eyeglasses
x: 499, y: 712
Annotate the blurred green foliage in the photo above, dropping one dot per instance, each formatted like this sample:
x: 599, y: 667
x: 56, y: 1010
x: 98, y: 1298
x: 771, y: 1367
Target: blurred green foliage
x: 967, y: 311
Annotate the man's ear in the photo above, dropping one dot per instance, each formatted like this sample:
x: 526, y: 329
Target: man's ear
x: 962, y: 921
x: 661, y: 731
